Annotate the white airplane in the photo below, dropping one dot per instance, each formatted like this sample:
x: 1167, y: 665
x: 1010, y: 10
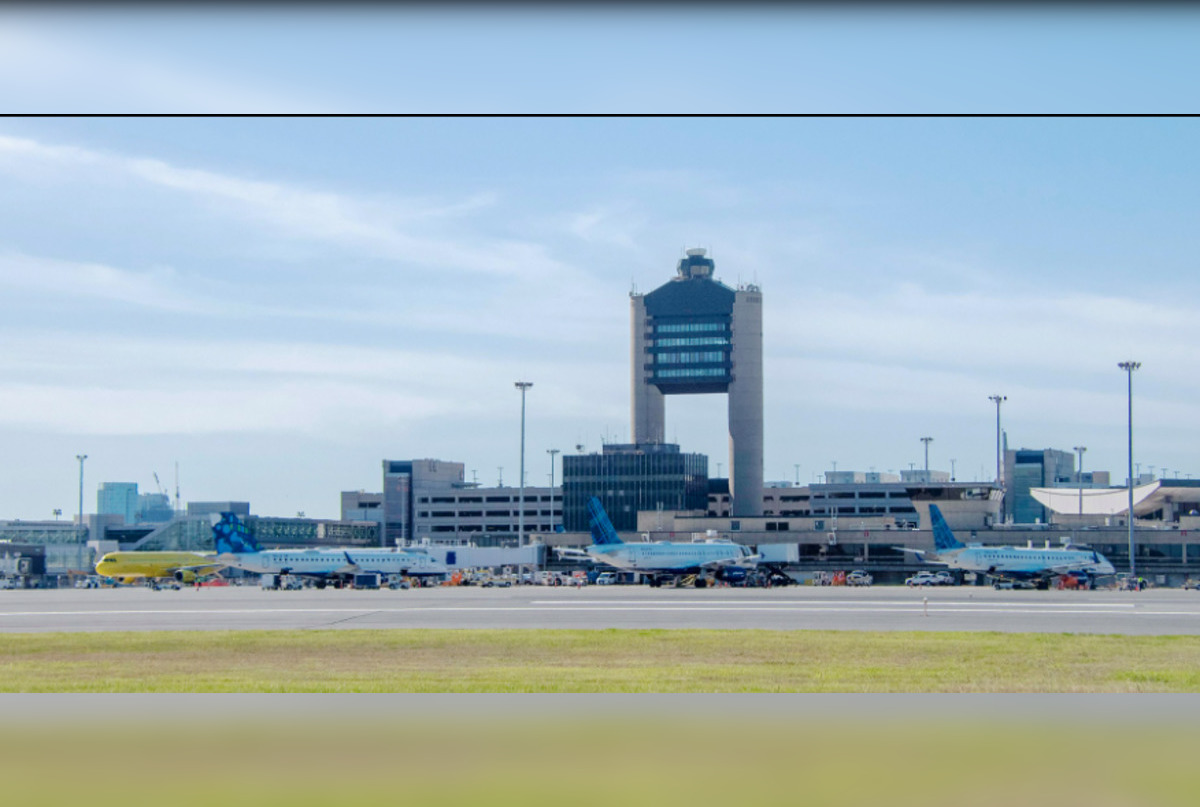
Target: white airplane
x: 664, y: 560
x: 237, y: 549
x: 1018, y: 563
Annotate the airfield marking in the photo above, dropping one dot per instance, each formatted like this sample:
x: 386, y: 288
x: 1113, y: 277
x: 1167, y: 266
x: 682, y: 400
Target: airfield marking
x: 630, y: 607
x: 978, y: 603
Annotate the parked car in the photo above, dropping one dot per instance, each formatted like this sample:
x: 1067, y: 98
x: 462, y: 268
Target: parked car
x: 945, y: 578
x: 859, y: 578
x: 606, y: 578
x: 923, y: 579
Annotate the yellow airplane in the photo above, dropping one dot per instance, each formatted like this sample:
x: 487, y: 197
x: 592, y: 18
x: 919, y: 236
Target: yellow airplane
x: 183, y: 567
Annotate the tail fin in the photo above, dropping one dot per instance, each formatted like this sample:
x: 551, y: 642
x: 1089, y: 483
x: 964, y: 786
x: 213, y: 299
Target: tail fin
x: 230, y: 535
x: 943, y: 538
x: 603, y: 532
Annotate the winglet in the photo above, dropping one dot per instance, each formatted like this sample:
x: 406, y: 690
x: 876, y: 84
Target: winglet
x: 603, y: 532
x: 943, y: 538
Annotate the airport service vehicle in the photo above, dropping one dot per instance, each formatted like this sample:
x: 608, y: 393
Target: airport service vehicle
x: 663, y: 561
x: 923, y: 579
x: 236, y: 548
x: 1009, y: 584
x: 606, y: 579
x: 1009, y: 562
x: 859, y: 578
x: 182, y: 567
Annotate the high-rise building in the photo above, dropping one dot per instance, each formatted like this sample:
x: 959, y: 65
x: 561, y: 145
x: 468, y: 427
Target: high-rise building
x: 1025, y: 469
x: 153, y: 508
x: 118, y: 499
x: 629, y: 478
x: 696, y: 335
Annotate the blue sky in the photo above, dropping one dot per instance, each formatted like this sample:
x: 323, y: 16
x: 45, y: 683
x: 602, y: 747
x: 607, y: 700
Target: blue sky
x: 279, y: 304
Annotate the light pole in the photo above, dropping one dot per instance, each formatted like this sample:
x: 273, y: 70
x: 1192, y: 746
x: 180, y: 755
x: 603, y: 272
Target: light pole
x: 797, y: 474
x: 952, y: 476
x: 1129, y: 367
x: 552, y: 452
x: 927, y: 441
x: 522, y: 386
x: 1079, y: 450
x: 999, y: 399
x: 81, y: 458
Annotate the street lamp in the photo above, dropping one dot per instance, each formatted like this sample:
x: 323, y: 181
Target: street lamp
x: 1079, y: 450
x: 999, y: 399
x: 926, y: 441
x: 81, y: 458
x: 1129, y: 367
x: 552, y: 452
x: 522, y: 386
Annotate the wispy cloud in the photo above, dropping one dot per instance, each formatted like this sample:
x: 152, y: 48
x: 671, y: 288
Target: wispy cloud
x: 381, y: 227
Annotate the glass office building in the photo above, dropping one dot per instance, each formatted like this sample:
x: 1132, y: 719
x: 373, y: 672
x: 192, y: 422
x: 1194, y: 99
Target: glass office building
x: 632, y: 477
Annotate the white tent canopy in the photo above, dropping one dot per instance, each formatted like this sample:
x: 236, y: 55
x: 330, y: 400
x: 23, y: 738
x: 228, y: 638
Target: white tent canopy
x: 1096, y: 501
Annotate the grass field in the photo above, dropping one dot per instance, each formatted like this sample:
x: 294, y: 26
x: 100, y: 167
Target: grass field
x: 609, y: 661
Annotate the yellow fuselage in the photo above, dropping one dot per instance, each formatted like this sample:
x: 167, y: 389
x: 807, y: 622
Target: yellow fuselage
x: 131, y: 565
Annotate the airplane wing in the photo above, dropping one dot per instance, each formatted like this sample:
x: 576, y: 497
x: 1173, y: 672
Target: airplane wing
x: 749, y: 560
x: 350, y: 568
x: 199, y: 568
x: 920, y: 553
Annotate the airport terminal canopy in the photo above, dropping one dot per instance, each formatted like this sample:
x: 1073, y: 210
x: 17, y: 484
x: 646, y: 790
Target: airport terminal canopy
x: 1102, y: 501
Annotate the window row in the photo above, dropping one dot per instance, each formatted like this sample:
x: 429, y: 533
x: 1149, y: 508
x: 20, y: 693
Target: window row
x: 690, y: 327
x: 690, y: 341
x: 696, y: 372
x: 689, y: 358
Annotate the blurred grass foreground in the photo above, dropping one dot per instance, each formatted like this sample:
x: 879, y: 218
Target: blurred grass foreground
x: 307, y: 750
x: 588, y: 661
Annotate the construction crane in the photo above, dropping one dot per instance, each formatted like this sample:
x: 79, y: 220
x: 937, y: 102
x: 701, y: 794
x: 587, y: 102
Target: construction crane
x: 158, y: 484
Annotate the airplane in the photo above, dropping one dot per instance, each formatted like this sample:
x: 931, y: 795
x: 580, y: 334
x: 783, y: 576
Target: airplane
x: 664, y: 560
x: 1017, y: 563
x: 237, y: 549
x: 182, y: 567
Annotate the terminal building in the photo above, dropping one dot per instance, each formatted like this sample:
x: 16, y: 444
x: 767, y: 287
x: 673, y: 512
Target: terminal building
x: 430, y: 500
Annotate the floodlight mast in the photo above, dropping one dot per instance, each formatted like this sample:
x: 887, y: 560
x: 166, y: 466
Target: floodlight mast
x: 523, y: 386
x: 1129, y: 367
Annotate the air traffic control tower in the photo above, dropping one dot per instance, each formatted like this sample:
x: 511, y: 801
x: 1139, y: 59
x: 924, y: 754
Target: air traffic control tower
x: 696, y: 335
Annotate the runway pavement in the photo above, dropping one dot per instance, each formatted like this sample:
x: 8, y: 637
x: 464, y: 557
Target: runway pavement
x: 1152, y: 612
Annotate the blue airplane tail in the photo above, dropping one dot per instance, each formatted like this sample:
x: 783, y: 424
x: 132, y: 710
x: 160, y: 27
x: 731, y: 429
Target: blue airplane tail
x: 231, y: 535
x: 603, y: 532
x: 943, y: 538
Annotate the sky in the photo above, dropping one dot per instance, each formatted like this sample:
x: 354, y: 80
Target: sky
x: 278, y: 304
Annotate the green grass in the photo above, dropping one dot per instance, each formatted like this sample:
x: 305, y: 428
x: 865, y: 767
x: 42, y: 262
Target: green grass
x: 616, y: 661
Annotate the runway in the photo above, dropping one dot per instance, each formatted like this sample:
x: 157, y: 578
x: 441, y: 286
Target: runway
x: 1153, y: 612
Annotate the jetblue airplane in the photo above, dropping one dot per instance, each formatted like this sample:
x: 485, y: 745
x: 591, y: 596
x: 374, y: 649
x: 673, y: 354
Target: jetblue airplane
x: 662, y: 561
x: 237, y: 549
x: 1022, y: 563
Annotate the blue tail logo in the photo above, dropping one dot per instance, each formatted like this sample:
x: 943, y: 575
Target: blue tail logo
x: 943, y: 538
x: 603, y: 533
x: 230, y: 535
